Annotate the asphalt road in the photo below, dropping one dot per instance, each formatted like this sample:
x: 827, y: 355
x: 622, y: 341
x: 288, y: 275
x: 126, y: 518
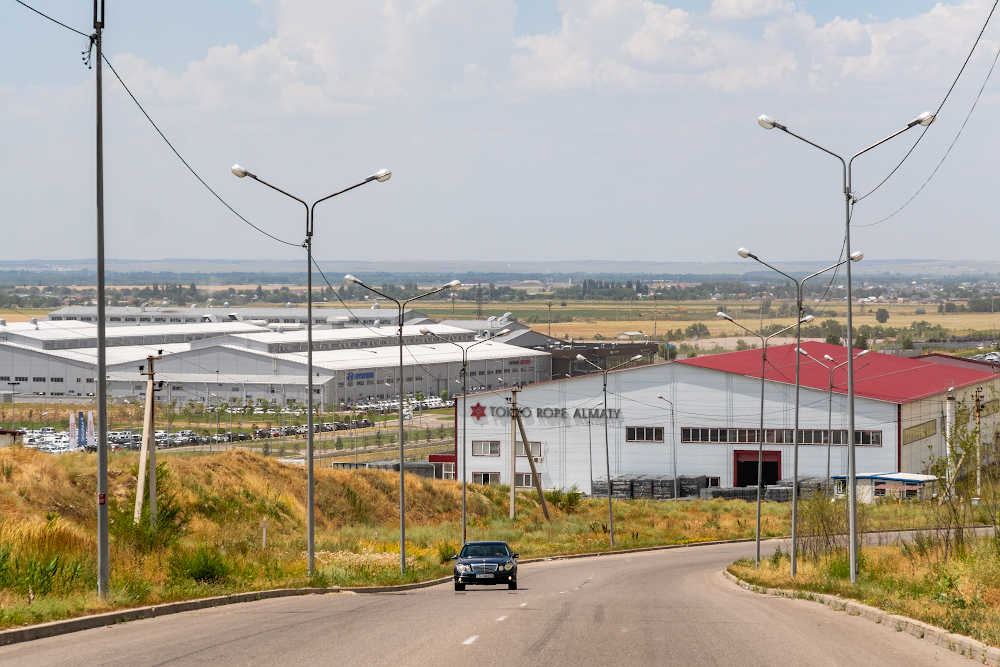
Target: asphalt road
x: 670, y: 607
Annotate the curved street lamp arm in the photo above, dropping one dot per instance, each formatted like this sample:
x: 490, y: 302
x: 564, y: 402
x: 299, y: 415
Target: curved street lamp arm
x: 372, y: 289
x: 752, y: 333
x: 776, y: 270
x: 313, y: 216
x: 878, y: 143
x: 308, y: 217
x: 825, y: 150
x: 780, y: 331
x: 844, y: 261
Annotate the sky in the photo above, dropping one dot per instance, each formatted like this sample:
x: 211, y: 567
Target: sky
x: 515, y: 129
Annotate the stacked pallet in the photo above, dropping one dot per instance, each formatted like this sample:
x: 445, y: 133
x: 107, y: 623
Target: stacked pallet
x: 662, y: 488
x: 621, y: 488
x: 642, y: 487
x: 691, y: 485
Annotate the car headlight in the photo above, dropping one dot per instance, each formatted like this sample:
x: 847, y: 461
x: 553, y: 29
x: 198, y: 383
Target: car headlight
x: 508, y: 565
x: 461, y: 567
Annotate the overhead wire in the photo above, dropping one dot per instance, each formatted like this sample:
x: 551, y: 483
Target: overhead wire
x: 936, y: 112
x: 160, y: 132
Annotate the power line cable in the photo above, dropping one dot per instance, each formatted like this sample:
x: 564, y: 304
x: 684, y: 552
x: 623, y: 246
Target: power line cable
x: 160, y: 132
x: 51, y: 19
x: 185, y: 163
x: 936, y: 112
x: 946, y: 153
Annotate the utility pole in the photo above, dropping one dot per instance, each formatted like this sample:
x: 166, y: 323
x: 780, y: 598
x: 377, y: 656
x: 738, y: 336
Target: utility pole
x: 513, y: 447
x: 103, y: 568
x: 654, y: 313
x: 536, y: 478
x: 548, y: 302
x: 979, y: 440
x: 148, y: 446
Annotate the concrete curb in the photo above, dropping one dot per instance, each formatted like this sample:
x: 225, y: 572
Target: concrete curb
x: 966, y: 646
x: 17, y: 635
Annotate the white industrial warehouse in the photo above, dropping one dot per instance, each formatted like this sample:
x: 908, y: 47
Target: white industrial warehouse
x: 701, y: 417
x: 238, y: 361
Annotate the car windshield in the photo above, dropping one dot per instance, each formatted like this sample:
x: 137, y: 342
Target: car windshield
x: 485, y: 551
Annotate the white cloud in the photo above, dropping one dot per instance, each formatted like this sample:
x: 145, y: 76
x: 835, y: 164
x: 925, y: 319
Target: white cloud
x: 750, y: 9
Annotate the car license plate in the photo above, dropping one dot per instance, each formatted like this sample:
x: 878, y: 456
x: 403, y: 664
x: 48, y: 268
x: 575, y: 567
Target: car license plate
x: 484, y: 576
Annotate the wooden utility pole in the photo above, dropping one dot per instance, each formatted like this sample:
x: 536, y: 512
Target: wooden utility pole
x: 513, y: 448
x: 979, y: 452
x: 148, y: 447
x: 531, y: 459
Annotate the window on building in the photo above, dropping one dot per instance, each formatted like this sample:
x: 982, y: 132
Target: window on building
x: 37, y: 379
x: 176, y: 388
x: 90, y: 380
x: 523, y: 480
x: 779, y: 436
x: 713, y: 481
x: 55, y: 379
x: 79, y: 380
x: 448, y: 471
x: 4, y: 378
x: 20, y: 378
x: 486, y: 448
x: 144, y: 319
x: 919, y: 432
x: 644, y: 434
x: 485, y: 478
x: 536, y: 449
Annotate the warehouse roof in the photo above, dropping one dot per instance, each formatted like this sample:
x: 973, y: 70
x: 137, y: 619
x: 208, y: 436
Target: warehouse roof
x: 881, y: 377
x: 388, y: 357
x: 114, y: 355
x: 327, y: 339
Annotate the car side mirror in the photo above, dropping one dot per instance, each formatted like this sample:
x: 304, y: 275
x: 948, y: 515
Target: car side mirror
x: 516, y: 556
x: 454, y: 557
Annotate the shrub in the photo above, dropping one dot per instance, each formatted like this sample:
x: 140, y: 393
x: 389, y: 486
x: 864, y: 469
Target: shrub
x: 204, y: 564
x: 445, y: 551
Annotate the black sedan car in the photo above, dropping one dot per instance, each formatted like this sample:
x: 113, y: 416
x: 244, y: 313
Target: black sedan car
x: 485, y: 563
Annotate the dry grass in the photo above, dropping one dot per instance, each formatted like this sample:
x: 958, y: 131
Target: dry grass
x: 211, y: 507
x: 961, y: 595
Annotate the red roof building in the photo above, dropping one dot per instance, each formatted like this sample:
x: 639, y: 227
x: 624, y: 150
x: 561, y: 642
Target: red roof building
x: 881, y: 377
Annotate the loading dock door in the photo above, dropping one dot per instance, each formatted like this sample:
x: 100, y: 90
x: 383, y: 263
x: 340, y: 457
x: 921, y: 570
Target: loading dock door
x: 745, y: 467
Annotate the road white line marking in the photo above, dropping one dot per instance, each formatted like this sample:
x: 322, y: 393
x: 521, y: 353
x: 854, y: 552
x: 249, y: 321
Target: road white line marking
x: 471, y: 639
x: 502, y: 618
x: 524, y: 604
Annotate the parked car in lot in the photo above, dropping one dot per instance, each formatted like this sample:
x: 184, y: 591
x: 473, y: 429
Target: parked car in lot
x: 262, y: 433
x: 488, y: 563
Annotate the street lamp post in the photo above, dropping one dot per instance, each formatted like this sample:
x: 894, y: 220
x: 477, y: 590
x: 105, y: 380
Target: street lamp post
x: 381, y: 176
x: 13, y: 390
x: 924, y: 119
x: 607, y: 448
x: 760, y: 435
x: 829, y: 411
x: 401, y: 307
x: 856, y: 257
x: 465, y: 411
x: 673, y: 444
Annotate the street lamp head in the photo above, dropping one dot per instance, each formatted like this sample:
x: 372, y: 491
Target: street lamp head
x: 862, y: 353
x: 453, y: 283
x: 807, y: 319
x: 580, y: 357
x: 425, y: 331
x: 801, y: 351
x: 659, y: 397
x: 239, y: 171
x: 925, y: 119
x: 724, y: 316
x: 765, y: 122
x: 351, y: 280
x: 857, y: 256
x: 382, y: 175
x: 744, y: 253
x: 636, y: 357
x: 505, y: 332
x: 828, y: 357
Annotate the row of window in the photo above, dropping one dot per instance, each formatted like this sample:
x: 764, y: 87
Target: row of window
x: 644, y: 434
x: 778, y: 436
x: 24, y: 378
x: 492, y: 448
x: 521, y: 480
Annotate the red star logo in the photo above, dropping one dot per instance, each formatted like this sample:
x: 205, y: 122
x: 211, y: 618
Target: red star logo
x: 478, y: 411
